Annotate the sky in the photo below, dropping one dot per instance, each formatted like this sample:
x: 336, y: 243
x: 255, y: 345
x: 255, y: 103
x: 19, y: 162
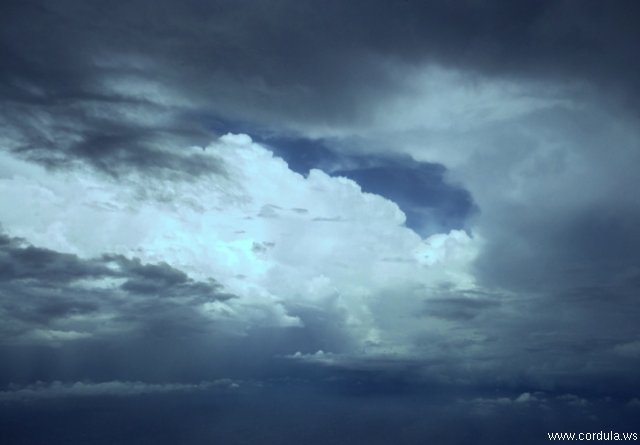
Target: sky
x: 381, y: 221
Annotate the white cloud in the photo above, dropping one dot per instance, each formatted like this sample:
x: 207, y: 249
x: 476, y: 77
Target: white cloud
x: 490, y: 404
x: 574, y: 401
x: 628, y: 349
x: 54, y: 335
x: 245, y: 229
x: 525, y: 397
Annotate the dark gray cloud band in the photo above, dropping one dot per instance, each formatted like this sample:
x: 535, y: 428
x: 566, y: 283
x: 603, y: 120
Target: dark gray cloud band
x: 110, y: 84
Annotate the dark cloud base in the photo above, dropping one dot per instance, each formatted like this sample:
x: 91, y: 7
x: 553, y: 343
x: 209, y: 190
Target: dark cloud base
x: 279, y: 67
x: 293, y: 413
x: 161, y: 338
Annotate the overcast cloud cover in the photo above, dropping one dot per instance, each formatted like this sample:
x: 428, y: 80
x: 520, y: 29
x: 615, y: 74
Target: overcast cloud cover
x: 395, y: 221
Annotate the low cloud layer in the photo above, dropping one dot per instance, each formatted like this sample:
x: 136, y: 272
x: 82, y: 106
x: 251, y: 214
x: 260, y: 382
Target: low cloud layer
x: 57, y: 389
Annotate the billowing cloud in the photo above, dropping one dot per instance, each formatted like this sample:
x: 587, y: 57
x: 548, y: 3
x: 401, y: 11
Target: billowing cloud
x: 283, y: 243
x: 314, y: 255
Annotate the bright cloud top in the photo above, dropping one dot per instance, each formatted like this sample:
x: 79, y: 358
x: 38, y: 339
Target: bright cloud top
x: 280, y: 241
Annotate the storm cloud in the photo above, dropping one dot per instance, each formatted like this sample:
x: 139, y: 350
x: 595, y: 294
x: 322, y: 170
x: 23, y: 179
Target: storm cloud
x: 400, y: 209
x: 110, y: 84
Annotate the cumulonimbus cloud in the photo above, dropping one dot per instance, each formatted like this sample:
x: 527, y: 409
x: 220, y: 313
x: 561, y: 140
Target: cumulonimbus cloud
x: 281, y: 242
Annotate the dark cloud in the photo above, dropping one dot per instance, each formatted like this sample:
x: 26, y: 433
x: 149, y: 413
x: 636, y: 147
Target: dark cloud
x: 41, y: 268
x: 110, y: 85
x: 596, y: 247
x: 548, y: 191
x: 50, y: 300
x: 56, y: 300
x: 20, y: 261
x: 554, y: 367
x: 113, y: 317
x: 458, y: 308
x: 562, y: 223
x: 311, y: 413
